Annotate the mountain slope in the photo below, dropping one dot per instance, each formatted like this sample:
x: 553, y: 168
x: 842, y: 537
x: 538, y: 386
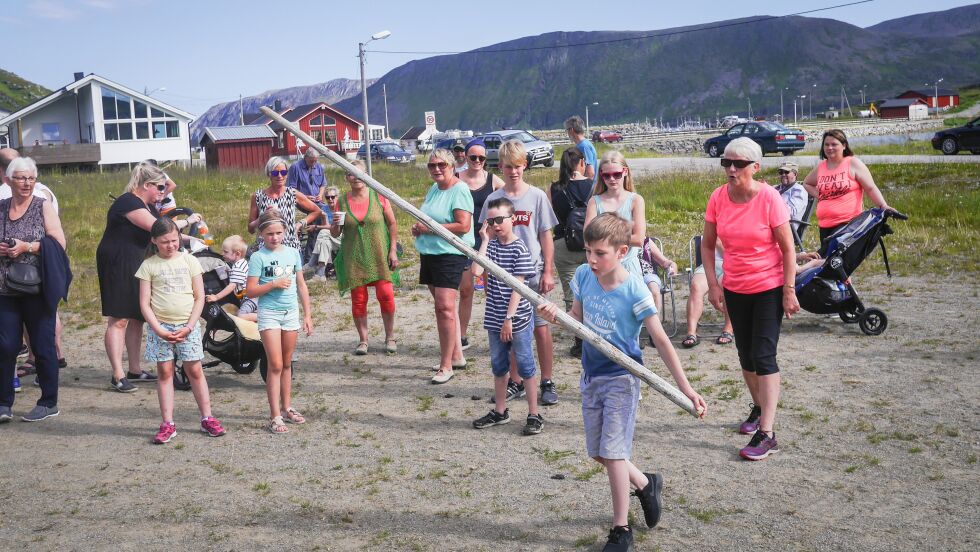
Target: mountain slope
x: 954, y: 22
x: 16, y: 92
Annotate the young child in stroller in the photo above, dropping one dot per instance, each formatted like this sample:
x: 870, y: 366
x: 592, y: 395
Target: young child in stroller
x: 233, y: 252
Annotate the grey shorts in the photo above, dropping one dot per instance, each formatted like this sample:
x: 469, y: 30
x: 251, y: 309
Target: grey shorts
x: 609, y: 411
x: 535, y: 284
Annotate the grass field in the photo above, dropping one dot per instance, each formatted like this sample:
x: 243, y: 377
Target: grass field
x: 943, y: 201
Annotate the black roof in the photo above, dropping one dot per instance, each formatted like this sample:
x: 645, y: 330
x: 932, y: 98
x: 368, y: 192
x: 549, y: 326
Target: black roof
x: 413, y: 133
x: 930, y: 92
x: 903, y: 102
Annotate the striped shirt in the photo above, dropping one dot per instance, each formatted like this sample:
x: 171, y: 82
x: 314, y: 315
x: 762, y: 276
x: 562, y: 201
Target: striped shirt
x: 515, y: 259
x: 238, y: 275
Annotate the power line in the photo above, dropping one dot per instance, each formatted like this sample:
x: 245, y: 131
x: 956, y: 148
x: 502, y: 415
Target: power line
x: 641, y: 37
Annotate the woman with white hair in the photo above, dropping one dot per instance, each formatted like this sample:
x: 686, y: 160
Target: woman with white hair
x: 752, y: 222
x: 27, y: 224
x: 285, y: 199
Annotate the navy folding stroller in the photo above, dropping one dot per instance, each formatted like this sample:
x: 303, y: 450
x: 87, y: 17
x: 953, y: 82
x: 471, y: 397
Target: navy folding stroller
x: 827, y: 288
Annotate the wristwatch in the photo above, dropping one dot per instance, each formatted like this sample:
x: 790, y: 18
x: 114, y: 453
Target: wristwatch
x: 508, y: 318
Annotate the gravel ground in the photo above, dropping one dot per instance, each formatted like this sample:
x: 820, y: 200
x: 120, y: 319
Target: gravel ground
x: 879, y: 439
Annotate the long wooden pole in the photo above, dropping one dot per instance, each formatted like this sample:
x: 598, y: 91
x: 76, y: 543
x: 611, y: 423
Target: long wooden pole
x: 614, y: 354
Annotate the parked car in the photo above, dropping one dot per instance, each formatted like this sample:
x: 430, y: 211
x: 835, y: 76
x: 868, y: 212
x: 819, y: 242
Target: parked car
x: 450, y: 143
x: 539, y: 152
x: 772, y: 137
x: 607, y: 136
x: 388, y: 152
x: 967, y: 137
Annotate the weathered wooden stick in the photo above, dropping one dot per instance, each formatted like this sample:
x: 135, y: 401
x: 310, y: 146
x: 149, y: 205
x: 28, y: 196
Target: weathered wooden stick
x: 614, y: 354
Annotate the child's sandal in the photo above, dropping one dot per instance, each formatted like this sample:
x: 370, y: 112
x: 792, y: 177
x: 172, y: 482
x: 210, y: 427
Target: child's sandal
x: 293, y: 416
x: 277, y: 426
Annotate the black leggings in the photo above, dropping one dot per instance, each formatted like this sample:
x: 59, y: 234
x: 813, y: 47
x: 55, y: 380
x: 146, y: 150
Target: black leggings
x: 756, y: 318
x: 824, y: 234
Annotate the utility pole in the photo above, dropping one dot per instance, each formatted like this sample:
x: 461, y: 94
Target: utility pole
x: 384, y: 93
x: 241, y: 110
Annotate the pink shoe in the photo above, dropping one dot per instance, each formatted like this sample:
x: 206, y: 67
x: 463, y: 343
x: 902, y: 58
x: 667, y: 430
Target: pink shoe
x: 212, y: 427
x: 167, y: 432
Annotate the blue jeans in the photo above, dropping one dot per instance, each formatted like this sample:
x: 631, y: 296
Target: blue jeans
x: 521, y: 343
x: 16, y: 312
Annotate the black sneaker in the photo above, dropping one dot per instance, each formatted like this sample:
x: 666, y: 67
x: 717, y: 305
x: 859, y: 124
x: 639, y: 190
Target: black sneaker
x: 492, y: 419
x: 620, y: 540
x: 533, y: 425
x: 576, y: 350
x: 549, y: 396
x: 650, y: 499
x: 465, y: 342
x: 514, y: 391
x: 122, y: 385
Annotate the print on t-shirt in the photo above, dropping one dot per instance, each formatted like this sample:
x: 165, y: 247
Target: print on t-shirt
x: 522, y: 218
x: 274, y: 270
x: 832, y: 186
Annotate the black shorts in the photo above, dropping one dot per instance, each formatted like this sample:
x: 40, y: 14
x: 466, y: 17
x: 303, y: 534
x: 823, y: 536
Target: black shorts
x: 756, y: 320
x: 442, y: 271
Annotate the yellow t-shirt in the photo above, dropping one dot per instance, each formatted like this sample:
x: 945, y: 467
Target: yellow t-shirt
x: 171, y: 291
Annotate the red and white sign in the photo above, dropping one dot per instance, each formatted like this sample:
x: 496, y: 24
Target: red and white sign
x: 430, y: 118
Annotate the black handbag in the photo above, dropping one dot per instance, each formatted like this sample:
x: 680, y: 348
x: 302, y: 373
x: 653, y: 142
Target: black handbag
x: 22, y: 278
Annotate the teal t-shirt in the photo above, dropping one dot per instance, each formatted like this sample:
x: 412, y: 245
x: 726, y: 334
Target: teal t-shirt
x: 270, y: 265
x: 440, y: 204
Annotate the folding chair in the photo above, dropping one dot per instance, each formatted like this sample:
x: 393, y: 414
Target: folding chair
x: 800, y: 226
x: 694, y: 256
x: 667, y: 288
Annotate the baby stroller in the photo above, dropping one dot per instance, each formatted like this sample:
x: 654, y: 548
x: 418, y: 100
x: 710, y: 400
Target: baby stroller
x: 827, y: 288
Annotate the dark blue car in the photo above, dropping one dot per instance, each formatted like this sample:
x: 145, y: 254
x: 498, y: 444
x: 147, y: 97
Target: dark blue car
x: 388, y: 152
x: 772, y: 137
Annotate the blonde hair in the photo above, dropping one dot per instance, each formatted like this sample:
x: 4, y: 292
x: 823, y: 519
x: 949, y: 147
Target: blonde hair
x: 271, y: 216
x: 444, y: 155
x: 235, y: 243
x: 611, y: 227
x: 145, y: 173
x: 613, y: 156
x: 512, y: 153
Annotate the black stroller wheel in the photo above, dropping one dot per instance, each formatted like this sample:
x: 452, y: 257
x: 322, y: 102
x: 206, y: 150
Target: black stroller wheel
x: 849, y: 317
x: 181, y: 383
x: 873, y: 322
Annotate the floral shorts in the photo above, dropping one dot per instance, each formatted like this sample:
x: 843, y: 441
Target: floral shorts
x: 188, y: 350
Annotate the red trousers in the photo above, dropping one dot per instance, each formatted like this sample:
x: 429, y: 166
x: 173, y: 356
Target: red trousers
x: 382, y: 289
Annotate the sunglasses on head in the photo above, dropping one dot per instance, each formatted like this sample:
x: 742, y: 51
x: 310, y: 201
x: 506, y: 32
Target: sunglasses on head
x: 278, y: 173
x: 440, y: 165
x: 477, y: 158
x: 612, y: 175
x: 739, y: 163
x: 496, y: 221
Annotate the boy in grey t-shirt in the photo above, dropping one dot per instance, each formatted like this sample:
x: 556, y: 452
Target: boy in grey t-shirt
x: 533, y: 220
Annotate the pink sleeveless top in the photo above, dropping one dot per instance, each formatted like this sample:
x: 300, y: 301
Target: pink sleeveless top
x: 839, y: 195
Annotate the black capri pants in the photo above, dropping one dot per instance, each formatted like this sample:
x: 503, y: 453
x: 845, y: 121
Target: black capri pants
x: 824, y: 234
x: 756, y: 319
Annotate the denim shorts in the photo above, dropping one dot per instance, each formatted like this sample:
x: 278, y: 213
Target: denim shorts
x: 285, y: 320
x: 650, y: 274
x: 188, y: 350
x: 521, y: 344
x: 247, y: 306
x: 609, y: 410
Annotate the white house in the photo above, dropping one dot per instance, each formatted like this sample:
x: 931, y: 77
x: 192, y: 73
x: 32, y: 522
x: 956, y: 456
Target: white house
x: 96, y: 121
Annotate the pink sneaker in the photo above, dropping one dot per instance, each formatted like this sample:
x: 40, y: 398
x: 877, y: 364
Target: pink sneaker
x: 212, y: 427
x: 167, y: 432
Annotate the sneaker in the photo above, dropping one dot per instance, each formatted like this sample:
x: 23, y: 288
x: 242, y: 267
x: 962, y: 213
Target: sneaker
x: 514, y: 391
x: 533, y: 425
x: 751, y: 424
x: 650, y: 499
x: 122, y: 385
x: 760, y: 447
x: 620, y: 540
x: 492, y: 419
x: 39, y: 413
x: 576, y: 350
x: 167, y: 432
x: 16, y: 384
x: 5, y: 414
x: 142, y: 376
x: 212, y: 427
x: 548, y: 394
x: 465, y: 341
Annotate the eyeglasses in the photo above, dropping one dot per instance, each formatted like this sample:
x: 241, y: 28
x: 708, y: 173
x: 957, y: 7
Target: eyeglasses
x: 440, y: 165
x: 278, y: 173
x: 497, y: 221
x: 24, y: 178
x: 739, y: 163
x: 477, y: 158
x: 612, y: 175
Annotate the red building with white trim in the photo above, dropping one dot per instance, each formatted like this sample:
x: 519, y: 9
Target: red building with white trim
x: 239, y: 147
x: 323, y: 122
x: 947, y: 98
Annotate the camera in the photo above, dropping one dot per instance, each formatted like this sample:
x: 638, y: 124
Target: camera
x: 9, y: 242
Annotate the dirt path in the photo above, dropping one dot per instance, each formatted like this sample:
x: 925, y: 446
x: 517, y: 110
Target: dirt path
x: 879, y: 444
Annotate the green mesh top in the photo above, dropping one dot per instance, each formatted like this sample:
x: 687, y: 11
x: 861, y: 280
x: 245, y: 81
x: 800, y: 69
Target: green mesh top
x: 364, y: 247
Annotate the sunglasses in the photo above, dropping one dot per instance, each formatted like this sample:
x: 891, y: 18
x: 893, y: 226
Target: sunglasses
x: 739, y: 163
x: 497, y: 221
x: 331, y: 197
x: 440, y: 165
x: 783, y: 172
x: 278, y: 173
x: 612, y: 175
x: 162, y: 187
x: 477, y: 158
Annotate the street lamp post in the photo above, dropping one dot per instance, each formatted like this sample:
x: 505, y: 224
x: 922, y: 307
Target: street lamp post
x: 364, y: 103
x: 587, y: 119
x: 147, y: 92
x: 862, y: 94
x: 811, y: 101
x: 935, y: 99
x: 782, y: 117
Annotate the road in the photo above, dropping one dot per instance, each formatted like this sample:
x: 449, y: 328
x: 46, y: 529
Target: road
x: 654, y: 164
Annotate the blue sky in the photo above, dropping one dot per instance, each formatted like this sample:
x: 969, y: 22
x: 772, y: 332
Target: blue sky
x: 208, y: 51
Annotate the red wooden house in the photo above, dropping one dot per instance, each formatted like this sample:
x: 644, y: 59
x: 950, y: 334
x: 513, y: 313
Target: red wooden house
x: 324, y: 123
x: 238, y: 147
x: 946, y: 97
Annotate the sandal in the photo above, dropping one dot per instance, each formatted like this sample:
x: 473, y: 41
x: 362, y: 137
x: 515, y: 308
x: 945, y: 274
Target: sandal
x: 725, y: 338
x: 277, y: 426
x: 361, y: 349
x: 293, y: 416
x: 690, y: 341
x: 391, y: 346
x: 26, y: 369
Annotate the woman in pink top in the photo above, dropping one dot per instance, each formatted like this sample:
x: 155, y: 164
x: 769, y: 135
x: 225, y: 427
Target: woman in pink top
x: 839, y: 183
x: 752, y: 222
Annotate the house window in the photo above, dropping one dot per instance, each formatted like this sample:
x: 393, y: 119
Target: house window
x: 127, y: 119
x: 143, y: 130
x: 51, y: 132
x: 329, y: 137
x: 317, y: 135
x: 111, y: 132
x: 139, y: 109
x: 108, y: 104
x: 322, y: 120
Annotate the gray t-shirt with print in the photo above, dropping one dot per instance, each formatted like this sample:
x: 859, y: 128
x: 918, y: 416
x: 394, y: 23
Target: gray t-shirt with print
x: 532, y: 215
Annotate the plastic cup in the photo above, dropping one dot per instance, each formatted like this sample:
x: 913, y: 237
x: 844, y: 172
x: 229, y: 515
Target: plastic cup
x: 338, y: 217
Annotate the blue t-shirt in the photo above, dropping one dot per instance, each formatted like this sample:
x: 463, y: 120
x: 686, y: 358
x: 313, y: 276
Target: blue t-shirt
x: 271, y: 265
x: 616, y: 315
x: 591, y: 158
x: 515, y: 259
x: 440, y: 204
x: 306, y: 180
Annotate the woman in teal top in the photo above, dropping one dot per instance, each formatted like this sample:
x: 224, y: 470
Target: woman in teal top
x: 450, y: 204
x: 614, y: 192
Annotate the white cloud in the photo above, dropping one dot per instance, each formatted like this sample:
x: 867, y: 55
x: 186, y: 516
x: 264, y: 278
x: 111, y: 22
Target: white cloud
x: 52, y: 9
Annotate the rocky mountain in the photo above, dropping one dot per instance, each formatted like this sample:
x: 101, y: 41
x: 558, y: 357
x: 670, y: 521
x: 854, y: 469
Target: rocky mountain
x: 229, y: 114
x: 16, y: 92
x: 954, y: 22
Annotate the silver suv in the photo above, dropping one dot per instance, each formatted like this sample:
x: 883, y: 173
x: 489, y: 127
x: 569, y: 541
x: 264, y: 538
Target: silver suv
x: 539, y: 152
